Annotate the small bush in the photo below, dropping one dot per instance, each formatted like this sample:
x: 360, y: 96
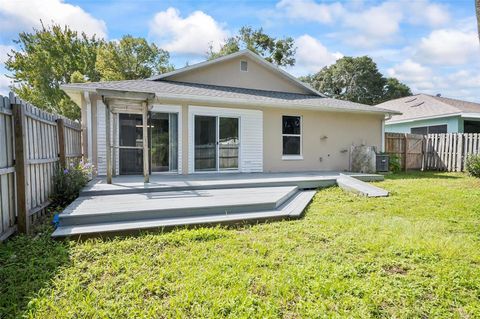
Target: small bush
x: 473, y: 165
x: 394, y: 163
x: 68, y: 182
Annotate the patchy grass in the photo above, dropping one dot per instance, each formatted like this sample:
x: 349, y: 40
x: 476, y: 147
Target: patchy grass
x: 413, y: 254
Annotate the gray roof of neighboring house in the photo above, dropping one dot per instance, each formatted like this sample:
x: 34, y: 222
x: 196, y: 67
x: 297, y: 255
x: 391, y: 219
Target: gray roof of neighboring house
x: 192, y: 91
x: 424, y: 106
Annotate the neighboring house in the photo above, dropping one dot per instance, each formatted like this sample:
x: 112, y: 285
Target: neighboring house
x: 236, y: 113
x: 424, y: 114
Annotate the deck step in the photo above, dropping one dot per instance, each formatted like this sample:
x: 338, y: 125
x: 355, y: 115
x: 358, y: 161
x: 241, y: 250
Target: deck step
x: 292, y: 208
x: 144, y: 206
x: 351, y: 184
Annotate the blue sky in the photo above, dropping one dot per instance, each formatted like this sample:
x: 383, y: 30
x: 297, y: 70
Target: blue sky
x: 430, y: 45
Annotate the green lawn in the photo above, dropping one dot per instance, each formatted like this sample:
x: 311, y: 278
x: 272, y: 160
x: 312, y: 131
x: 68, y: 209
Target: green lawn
x: 413, y: 254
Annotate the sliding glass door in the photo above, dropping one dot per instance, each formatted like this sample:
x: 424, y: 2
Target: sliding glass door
x: 228, y: 143
x: 205, y: 143
x: 216, y: 143
x: 163, y: 142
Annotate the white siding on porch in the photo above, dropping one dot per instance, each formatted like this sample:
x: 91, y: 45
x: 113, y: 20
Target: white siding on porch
x: 101, y: 145
x: 251, y: 135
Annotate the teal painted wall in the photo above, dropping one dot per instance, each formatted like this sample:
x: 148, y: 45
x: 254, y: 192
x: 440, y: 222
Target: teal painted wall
x: 454, y: 125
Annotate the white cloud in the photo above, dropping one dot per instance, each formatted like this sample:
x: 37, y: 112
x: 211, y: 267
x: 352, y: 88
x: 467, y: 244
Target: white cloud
x: 461, y: 84
x: 378, y: 22
x: 189, y: 35
x: 312, y: 55
x: 364, y: 25
x: 16, y: 16
x: 413, y: 73
x: 425, y: 13
x: 4, y: 50
x: 310, y: 10
x: 4, y: 85
x: 448, y: 46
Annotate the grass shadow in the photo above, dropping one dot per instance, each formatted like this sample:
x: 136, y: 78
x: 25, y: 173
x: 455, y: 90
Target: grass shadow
x: 28, y: 264
x: 423, y: 175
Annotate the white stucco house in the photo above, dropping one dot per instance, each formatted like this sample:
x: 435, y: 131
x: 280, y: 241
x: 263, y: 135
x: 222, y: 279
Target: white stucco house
x: 237, y: 113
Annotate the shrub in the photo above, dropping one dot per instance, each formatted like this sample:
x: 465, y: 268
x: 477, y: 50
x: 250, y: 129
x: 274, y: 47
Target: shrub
x: 472, y: 165
x: 394, y: 163
x: 68, y: 182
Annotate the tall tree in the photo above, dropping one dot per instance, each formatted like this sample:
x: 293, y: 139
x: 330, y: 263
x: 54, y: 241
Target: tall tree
x: 46, y: 59
x: 394, y: 89
x: 357, y: 80
x: 131, y: 58
x: 274, y: 50
x: 56, y: 55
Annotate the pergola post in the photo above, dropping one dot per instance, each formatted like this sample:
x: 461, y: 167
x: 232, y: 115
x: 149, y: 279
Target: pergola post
x: 145, y: 143
x: 108, y: 144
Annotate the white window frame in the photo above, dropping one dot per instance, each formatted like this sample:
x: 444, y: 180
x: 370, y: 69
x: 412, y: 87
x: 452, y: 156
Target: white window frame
x: 298, y: 157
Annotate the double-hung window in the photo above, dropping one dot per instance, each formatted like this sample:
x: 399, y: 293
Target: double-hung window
x: 292, y: 137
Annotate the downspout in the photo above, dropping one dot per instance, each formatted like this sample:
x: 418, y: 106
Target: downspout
x: 387, y: 117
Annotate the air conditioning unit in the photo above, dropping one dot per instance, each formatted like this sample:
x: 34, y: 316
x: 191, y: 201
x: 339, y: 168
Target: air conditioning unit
x: 382, y: 162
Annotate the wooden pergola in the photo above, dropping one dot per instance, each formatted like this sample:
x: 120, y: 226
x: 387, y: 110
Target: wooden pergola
x: 128, y: 103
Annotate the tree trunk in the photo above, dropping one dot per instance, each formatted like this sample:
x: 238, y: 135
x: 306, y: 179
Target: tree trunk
x: 477, y: 7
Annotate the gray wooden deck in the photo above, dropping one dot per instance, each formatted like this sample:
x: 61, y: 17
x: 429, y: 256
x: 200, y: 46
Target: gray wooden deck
x: 173, y: 200
x: 134, y: 184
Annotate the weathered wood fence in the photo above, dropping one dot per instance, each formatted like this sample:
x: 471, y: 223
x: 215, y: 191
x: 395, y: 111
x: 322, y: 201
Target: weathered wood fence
x: 32, y: 145
x: 408, y: 148
x: 449, y: 152
x: 444, y: 152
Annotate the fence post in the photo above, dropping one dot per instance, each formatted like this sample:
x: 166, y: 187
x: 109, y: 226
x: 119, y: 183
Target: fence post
x: 405, y: 152
x: 61, y: 143
x: 23, y: 218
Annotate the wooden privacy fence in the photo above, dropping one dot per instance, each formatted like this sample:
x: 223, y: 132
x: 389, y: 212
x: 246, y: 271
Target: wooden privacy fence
x: 408, y: 148
x: 446, y: 152
x: 32, y: 145
x: 449, y: 152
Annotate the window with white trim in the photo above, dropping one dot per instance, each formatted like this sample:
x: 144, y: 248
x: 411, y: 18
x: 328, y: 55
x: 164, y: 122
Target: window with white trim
x: 292, y: 136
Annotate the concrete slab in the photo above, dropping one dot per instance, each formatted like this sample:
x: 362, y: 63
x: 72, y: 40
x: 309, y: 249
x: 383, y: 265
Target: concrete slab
x: 351, y: 184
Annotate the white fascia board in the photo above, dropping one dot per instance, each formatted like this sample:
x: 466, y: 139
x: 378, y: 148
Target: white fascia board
x: 422, y: 118
x: 471, y: 115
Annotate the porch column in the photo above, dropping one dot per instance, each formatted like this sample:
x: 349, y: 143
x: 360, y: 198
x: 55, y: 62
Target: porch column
x: 146, y: 176
x: 108, y: 144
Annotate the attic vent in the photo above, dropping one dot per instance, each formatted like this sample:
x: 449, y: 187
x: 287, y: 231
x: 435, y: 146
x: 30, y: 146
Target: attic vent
x: 408, y: 101
x: 244, y: 66
x: 415, y: 105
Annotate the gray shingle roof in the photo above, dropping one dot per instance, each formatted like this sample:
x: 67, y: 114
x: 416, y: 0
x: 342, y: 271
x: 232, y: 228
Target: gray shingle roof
x: 240, y: 95
x: 422, y: 106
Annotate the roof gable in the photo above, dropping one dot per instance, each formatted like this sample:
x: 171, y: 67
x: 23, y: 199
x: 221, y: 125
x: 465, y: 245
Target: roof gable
x: 226, y: 71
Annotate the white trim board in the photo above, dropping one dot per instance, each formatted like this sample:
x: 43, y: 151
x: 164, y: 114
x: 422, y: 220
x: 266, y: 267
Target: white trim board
x: 251, y: 136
